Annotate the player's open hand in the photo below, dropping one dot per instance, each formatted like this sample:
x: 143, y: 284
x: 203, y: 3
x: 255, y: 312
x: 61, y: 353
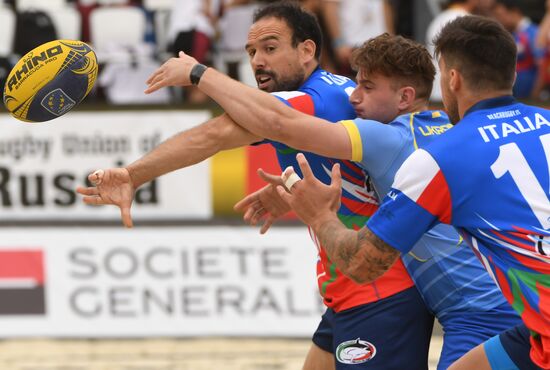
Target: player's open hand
x: 174, y: 72
x: 265, y: 204
x: 111, y: 186
x: 309, y: 197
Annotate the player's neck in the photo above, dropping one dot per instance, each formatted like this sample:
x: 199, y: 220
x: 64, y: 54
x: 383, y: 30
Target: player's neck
x: 310, y: 68
x: 468, y: 100
x: 416, y: 106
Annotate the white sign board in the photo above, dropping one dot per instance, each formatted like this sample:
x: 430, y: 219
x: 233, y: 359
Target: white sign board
x: 42, y: 164
x: 187, y: 281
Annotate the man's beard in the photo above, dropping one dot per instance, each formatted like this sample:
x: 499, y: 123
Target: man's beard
x: 452, y: 112
x: 290, y: 83
x: 451, y: 105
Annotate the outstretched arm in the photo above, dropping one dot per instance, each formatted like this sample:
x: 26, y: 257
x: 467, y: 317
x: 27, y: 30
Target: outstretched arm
x: 258, y: 111
x: 190, y: 147
x: 361, y: 255
x: 117, y: 186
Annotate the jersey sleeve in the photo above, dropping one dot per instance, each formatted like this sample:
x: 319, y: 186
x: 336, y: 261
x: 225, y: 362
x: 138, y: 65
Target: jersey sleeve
x: 419, y: 199
x: 375, y: 145
x: 298, y: 100
x: 294, y: 99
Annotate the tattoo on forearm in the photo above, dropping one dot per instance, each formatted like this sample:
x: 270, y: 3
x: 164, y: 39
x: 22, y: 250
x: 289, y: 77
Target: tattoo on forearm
x: 361, y: 255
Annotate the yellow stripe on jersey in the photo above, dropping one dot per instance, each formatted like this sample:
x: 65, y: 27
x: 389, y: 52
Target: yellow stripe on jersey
x: 436, y: 114
x: 355, y: 138
x: 411, y: 122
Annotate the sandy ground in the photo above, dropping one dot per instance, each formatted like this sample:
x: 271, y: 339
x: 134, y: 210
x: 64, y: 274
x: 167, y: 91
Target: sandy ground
x: 161, y: 354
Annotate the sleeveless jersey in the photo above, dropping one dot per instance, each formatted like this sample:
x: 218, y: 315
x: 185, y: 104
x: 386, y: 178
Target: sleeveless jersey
x: 326, y: 95
x: 489, y: 177
x: 444, y: 269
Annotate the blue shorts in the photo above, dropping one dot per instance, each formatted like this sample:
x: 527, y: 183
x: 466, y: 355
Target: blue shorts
x: 466, y: 330
x: 510, y: 350
x: 393, y: 333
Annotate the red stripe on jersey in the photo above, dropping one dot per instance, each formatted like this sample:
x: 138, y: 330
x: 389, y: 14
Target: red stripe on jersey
x: 504, y: 285
x: 352, y: 166
x: 303, y: 103
x: 354, y: 180
x: 528, y: 232
x: 540, y: 347
x: 521, y: 236
x: 360, y: 208
x: 532, y: 263
x: 515, y: 242
x: 544, y: 303
x: 436, y: 198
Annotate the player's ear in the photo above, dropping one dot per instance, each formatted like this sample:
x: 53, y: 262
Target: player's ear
x: 307, y: 49
x: 407, y: 97
x: 455, y: 80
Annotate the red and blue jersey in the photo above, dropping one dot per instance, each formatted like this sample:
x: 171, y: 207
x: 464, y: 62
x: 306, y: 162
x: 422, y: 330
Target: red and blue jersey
x: 448, y: 275
x: 490, y: 178
x: 326, y: 95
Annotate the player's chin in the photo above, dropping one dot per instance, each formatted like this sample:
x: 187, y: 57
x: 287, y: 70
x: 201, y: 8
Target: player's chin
x: 267, y: 86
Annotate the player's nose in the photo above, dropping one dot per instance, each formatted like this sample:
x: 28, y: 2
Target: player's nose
x: 257, y: 61
x: 355, y: 97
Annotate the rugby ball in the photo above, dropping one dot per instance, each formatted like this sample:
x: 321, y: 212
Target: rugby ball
x: 50, y: 80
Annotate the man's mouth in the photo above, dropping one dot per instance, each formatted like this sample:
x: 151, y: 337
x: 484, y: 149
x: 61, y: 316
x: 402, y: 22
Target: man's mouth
x: 263, y: 80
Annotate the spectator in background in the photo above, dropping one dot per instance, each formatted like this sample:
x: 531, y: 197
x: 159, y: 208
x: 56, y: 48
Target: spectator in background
x: 234, y: 23
x: 350, y: 22
x: 529, y: 78
x: 543, y: 42
x: 191, y: 30
x: 452, y: 9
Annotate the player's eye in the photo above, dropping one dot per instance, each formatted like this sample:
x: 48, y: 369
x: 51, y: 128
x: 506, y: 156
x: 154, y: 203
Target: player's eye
x: 251, y: 52
x: 270, y: 49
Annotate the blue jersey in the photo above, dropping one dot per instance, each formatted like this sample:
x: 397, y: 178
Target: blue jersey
x: 444, y: 269
x: 326, y: 95
x: 489, y: 177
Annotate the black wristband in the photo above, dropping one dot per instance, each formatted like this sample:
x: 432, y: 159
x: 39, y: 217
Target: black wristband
x: 196, y: 73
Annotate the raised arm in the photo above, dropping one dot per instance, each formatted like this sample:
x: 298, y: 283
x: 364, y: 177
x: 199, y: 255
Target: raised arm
x: 117, y: 186
x: 258, y: 111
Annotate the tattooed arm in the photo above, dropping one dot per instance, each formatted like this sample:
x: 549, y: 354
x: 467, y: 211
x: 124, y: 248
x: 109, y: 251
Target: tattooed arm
x: 360, y: 255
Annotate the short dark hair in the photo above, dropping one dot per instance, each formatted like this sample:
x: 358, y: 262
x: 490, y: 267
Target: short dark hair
x: 303, y: 24
x: 398, y: 58
x: 481, y: 50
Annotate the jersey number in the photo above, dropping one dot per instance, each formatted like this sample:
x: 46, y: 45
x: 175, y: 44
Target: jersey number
x: 512, y: 160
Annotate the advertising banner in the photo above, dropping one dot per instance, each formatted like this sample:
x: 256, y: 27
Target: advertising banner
x: 42, y: 164
x: 163, y: 281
